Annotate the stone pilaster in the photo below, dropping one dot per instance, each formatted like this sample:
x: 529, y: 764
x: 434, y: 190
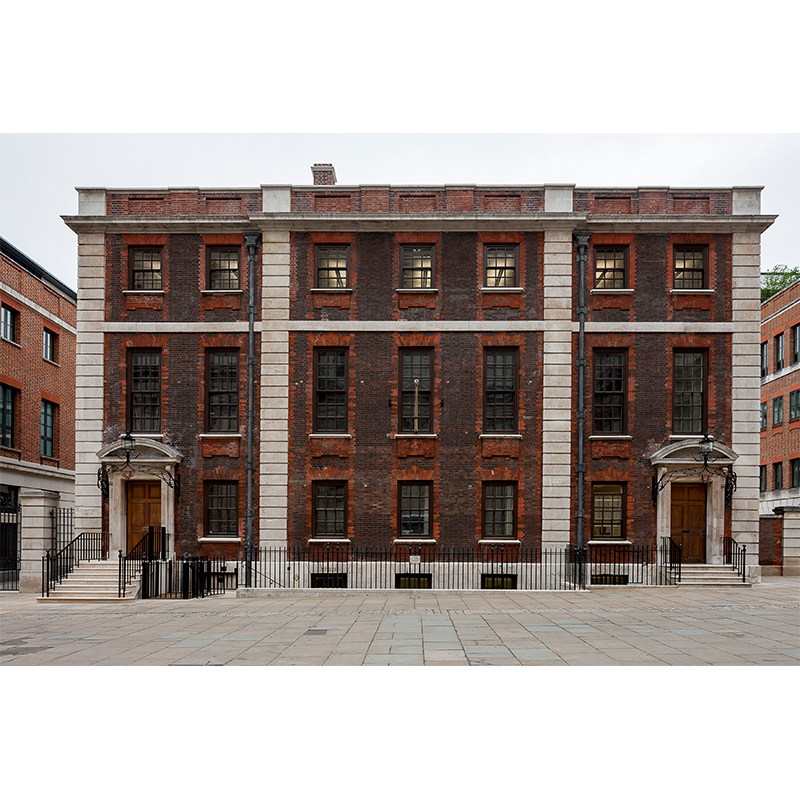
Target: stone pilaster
x: 37, y: 535
x: 791, y: 540
x: 746, y: 392
x: 274, y: 401
x: 89, y: 380
x: 557, y: 416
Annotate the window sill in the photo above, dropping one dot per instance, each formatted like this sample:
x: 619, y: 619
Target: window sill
x: 611, y: 291
x: 14, y: 450
x: 11, y: 341
x: 220, y: 436
x: 235, y: 539
x: 221, y: 291
x: 499, y: 541
x: 679, y: 436
x: 410, y: 540
x: 330, y: 435
x: 331, y: 291
x: 609, y: 540
x: 691, y: 291
x: 48, y: 361
x: 416, y: 436
x: 337, y: 540
x: 500, y: 436
x: 417, y: 291
x: 509, y: 289
x: 143, y: 291
x: 616, y: 437
x: 147, y: 435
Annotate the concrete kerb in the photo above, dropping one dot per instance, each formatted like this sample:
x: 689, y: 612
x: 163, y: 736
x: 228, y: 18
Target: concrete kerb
x: 250, y: 592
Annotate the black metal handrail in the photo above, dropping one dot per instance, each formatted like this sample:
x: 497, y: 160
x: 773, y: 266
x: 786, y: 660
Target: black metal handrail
x: 735, y: 554
x: 674, y: 557
x: 152, y: 546
x: 87, y: 546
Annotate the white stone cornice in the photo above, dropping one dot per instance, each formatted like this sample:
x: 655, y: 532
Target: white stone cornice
x: 192, y: 223
x: 678, y: 223
x: 26, y: 301
x: 170, y: 327
x: 282, y: 323
x: 660, y: 327
x: 780, y: 310
x: 785, y: 372
x: 414, y: 221
x: 423, y: 221
x: 477, y: 326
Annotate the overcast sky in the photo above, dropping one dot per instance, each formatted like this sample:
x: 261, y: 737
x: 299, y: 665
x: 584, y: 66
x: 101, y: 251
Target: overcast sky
x: 39, y: 172
x: 477, y: 94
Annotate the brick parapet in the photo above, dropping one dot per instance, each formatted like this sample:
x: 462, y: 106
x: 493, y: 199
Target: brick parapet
x: 329, y: 198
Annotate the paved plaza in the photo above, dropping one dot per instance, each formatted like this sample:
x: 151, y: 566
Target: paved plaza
x: 615, y: 626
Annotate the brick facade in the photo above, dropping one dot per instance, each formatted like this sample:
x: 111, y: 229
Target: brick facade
x: 369, y: 318
x: 37, y: 392
x: 780, y: 426
x: 38, y: 302
x: 780, y: 439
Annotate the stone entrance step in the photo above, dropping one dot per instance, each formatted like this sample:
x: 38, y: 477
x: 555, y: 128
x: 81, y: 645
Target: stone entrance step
x: 710, y: 575
x: 91, y: 582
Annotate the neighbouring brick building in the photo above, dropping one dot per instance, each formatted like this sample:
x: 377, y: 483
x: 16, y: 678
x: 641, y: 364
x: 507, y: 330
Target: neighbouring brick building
x: 37, y: 407
x: 446, y: 365
x: 780, y: 431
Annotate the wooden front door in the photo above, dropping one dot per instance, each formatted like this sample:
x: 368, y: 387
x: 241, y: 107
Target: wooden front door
x: 689, y: 521
x: 144, y: 509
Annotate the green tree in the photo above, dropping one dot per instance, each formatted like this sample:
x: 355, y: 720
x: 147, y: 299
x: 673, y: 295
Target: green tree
x: 777, y: 279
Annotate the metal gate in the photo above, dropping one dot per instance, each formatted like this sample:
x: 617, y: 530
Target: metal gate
x: 63, y: 527
x: 10, y: 547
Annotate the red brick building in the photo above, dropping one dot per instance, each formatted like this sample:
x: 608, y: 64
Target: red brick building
x: 451, y: 366
x: 37, y: 403
x: 779, y: 478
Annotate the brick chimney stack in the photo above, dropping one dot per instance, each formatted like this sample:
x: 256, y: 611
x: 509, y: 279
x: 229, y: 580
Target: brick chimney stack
x: 324, y: 175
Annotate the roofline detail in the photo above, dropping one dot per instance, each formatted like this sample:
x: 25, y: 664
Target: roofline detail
x: 454, y: 221
x: 29, y: 265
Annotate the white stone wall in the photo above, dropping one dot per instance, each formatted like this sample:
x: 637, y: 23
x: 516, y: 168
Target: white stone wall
x: 274, y: 401
x: 557, y: 408
x: 746, y: 391
x: 791, y: 541
x: 89, y: 380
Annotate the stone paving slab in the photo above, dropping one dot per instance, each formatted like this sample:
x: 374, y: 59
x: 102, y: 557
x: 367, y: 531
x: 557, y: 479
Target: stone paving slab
x: 758, y: 625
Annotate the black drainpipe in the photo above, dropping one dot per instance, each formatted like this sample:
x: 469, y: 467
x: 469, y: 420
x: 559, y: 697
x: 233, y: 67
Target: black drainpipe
x: 581, y: 239
x: 251, y: 239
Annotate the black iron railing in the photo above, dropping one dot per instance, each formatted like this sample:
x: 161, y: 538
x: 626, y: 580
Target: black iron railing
x: 87, y: 546
x: 9, y: 573
x: 735, y: 555
x: 495, y: 566
x: 417, y: 566
x: 152, y: 546
x: 617, y: 564
x: 187, y: 578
